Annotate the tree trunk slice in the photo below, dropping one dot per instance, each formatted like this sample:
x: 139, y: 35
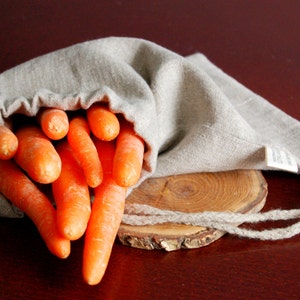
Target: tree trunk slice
x: 240, y: 191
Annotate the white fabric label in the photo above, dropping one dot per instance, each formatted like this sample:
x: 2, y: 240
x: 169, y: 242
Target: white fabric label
x: 280, y: 159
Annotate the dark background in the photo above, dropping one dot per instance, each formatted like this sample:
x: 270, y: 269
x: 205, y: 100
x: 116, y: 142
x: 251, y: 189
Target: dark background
x: 256, y: 42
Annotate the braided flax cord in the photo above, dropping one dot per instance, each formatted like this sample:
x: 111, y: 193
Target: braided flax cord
x: 140, y: 215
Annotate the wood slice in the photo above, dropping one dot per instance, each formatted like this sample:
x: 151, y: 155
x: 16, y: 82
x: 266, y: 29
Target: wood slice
x: 241, y: 191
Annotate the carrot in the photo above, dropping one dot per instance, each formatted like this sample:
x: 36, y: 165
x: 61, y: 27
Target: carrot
x: 129, y: 155
x: 106, y: 151
x: 103, y: 123
x: 24, y: 194
x: 8, y: 143
x: 107, y: 212
x: 85, y: 150
x: 54, y: 122
x: 71, y: 195
x: 36, y: 155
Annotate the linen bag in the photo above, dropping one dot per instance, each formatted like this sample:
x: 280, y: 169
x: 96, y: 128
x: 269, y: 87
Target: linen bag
x: 192, y: 116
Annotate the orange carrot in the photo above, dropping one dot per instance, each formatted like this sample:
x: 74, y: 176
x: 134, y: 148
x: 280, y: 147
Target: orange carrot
x: 107, y: 212
x: 129, y: 155
x: 71, y: 195
x: 36, y: 155
x: 8, y: 143
x: 85, y: 150
x: 106, y: 151
x: 24, y: 194
x: 103, y: 123
x: 54, y: 122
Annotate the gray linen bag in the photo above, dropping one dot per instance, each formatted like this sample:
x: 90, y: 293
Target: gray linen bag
x: 193, y: 117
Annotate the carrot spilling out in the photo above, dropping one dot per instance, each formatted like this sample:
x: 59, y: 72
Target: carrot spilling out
x: 54, y: 122
x: 85, y: 150
x: 74, y: 153
x: 8, y: 143
x: 36, y: 155
x: 129, y: 156
x: 71, y: 195
x: 24, y: 194
x: 103, y: 123
x: 107, y: 212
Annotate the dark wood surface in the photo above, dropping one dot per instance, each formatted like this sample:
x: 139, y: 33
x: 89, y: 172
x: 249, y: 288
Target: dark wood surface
x: 256, y: 42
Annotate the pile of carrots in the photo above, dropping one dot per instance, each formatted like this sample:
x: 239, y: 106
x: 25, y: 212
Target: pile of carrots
x: 91, y: 152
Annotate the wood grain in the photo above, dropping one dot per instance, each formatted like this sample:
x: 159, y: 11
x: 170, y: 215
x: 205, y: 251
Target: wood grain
x: 235, y: 191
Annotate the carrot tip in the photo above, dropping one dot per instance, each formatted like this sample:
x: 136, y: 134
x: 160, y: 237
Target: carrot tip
x: 72, y: 234
x: 95, y: 278
x: 65, y: 255
x: 63, y: 252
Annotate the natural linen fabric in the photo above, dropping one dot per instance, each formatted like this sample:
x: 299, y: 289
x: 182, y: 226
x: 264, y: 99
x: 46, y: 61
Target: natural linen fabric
x: 192, y: 116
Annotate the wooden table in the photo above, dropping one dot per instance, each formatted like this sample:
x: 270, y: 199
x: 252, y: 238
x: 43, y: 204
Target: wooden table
x: 256, y: 42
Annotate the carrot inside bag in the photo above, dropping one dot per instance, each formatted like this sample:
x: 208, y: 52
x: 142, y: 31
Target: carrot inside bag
x: 106, y: 216
x: 103, y: 123
x: 23, y: 193
x: 99, y: 153
x: 54, y: 122
x: 8, y: 143
x: 128, y: 159
x: 71, y: 195
x: 36, y: 155
x: 85, y: 150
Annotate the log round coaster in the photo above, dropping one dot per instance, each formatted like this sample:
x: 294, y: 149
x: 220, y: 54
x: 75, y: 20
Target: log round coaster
x: 240, y: 191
